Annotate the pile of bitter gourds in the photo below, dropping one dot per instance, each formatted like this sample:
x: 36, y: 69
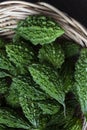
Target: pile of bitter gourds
x: 43, y: 78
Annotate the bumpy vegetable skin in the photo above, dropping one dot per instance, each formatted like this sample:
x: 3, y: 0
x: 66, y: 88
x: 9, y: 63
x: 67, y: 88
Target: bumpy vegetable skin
x: 39, y: 29
x: 49, y: 81
x: 53, y: 54
x: 71, y: 49
x: 28, y: 98
x: 4, y: 62
x: 11, y: 119
x: 26, y: 86
x: 12, y: 97
x: 48, y: 107
x: 67, y: 74
x: 20, y: 55
x: 4, y: 85
x: 81, y: 80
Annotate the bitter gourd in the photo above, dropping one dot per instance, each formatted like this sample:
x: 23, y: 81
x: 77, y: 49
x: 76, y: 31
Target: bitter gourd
x: 67, y: 74
x: 71, y: 49
x: 27, y: 87
x: 20, y: 55
x: 12, y: 97
x: 60, y: 115
x: 70, y: 122
x: 52, y: 53
x: 29, y: 95
x: 74, y: 124
x: 6, y: 65
x: 4, y: 86
x: 49, y: 81
x: 26, y: 93
x: 4, y: 74
x: 31, y: 110
x: 4, y: 62
x: 48, y: 107
x: 9, y: 118
x: 81, y: 80
x: 39, y: 29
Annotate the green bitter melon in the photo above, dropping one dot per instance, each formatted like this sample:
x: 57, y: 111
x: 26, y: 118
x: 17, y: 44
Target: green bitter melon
x: 39, y: 29
x: 49, y: 81
x: 81, y: 80
x: 12, y: 97
x: 52, y: 53
x: 20, y: 55
x: 11, y: 119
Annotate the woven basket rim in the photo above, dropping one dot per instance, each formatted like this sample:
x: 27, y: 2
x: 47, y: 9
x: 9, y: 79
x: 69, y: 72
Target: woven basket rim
x: 13, y: 11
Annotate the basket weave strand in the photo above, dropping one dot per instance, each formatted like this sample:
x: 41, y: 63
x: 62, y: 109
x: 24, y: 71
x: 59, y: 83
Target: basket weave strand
x: 13, y: 11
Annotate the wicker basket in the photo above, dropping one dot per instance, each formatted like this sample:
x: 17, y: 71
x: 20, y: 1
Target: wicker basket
x: 13, y: 11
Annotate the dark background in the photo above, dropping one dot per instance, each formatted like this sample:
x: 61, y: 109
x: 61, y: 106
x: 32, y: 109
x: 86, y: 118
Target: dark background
x: 75, y: 8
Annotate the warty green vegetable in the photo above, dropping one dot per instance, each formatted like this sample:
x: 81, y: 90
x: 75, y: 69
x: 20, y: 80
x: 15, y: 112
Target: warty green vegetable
x: 28, y: 88
x: 6, y: 65
x: 67, y: 74
x: 48, y: 107
x: 71, y: 49
x: 49, y: 81
x: 39, y: 29
x: 81, y: 80
x: 29, y: 95
x: 12, y: 97
x: 9, y: 118
x: 4, y: 86
x: 31, y: 111
x: 52, y: 54
x: 4, y: 62
x: 74, y: 124
x: 20, y: 55
x: 70, y: 122
x: 59, y: 118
